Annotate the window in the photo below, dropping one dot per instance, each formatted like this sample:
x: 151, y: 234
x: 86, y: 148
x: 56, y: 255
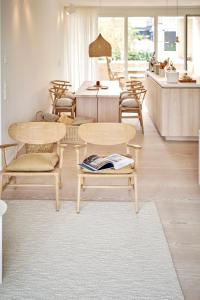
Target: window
x: 140, y: 38
x: 112, y: 29
x: 139, y: 35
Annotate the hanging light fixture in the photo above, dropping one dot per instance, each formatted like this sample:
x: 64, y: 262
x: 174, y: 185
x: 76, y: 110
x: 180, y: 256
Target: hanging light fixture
x: 100, y: 47
x: 177, y: 38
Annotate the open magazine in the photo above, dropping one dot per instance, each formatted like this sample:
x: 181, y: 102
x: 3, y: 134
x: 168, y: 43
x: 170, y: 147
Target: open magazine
x: 96, y: 163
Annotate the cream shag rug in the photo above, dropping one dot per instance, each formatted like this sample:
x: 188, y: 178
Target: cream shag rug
x: 107, y: 252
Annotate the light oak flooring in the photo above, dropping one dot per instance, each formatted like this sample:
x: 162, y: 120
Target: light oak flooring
x: 168, y: 175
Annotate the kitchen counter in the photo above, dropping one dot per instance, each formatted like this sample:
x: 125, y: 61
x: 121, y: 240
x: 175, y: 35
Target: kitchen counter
x: 174, y: 107
x: 163, y: 82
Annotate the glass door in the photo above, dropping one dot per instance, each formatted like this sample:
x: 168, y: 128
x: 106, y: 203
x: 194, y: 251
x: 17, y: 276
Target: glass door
x: 112, y: 29
x: 140, y: 45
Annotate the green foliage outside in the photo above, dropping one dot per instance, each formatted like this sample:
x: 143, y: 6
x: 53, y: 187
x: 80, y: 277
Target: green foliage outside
x: 112, y: 30
x: 132, y: 55
x: 139, y: 55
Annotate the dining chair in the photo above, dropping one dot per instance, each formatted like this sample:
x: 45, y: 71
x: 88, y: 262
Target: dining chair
x: 114, y: 75
x: 108, y: 134
x: 133, y: 103
x: 62, y: 100
x: 61, y: 84
x: 43, y: 154
x: 131, y: 86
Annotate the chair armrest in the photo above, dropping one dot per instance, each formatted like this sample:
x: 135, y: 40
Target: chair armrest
x: 137, y: 147
x: 63, y: 145
x: 4, y: 146
x: 78, y: 148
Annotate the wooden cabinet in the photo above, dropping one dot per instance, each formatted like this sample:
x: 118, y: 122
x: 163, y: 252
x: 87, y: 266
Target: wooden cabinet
x: 174, y: 108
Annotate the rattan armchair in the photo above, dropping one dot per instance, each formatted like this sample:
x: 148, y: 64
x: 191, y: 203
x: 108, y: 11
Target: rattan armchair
x: 133, y: 103
x: 108, y: 134
x: 40, y: 159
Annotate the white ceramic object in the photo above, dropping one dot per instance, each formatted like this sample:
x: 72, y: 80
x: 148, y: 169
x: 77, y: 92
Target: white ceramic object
x: 3, y: 208
x: 162, y: 72
x: 172, y: 77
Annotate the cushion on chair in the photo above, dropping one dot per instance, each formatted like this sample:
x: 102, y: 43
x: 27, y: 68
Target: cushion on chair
x: 34, y: 162
x: 64, y: 102
x: 129, y: 102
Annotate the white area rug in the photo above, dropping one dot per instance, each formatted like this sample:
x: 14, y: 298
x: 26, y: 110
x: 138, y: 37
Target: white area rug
x: 106, y: 252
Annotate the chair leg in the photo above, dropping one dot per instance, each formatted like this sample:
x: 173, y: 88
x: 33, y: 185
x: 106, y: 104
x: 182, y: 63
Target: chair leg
x: 136, y: 194
x: 141, y: 121
x: 120, y: 115
x: 73, y: 112
x: 129, y: 184
x: 78, y: 195
x: 60, y: 179
x: 57, y: 192
x: 1, y: 185
x: 82, y: 183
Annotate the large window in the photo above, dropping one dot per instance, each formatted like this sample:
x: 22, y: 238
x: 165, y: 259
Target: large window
x: 112, y: 29
x: 140, y: 38
x: 171, y: 40
x: 133, y: 42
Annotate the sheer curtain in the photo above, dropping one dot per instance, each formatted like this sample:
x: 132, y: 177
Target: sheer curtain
x: 81, y: 30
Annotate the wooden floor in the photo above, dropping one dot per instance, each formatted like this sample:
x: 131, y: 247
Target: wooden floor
x: 168, y: 176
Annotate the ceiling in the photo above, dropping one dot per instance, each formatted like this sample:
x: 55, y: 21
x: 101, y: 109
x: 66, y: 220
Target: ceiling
x: 115, y: 3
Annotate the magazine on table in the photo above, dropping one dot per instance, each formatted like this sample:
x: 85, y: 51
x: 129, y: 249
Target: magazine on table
x: 114, y: 161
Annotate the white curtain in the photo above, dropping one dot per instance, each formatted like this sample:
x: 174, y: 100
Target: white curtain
x: 81, y: 30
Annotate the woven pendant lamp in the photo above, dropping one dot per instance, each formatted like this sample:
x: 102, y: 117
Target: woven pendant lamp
x: 100, y: 47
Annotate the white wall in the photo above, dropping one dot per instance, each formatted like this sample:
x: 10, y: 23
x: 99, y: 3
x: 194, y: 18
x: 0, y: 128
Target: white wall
x: 32, y: 51
x: 0, y: 81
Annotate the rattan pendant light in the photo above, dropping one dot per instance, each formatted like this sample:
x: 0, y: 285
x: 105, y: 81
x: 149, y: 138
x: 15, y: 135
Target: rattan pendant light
x: 100, y: 47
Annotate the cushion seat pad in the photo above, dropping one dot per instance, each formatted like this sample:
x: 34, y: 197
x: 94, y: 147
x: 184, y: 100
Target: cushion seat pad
x: 129, y: 102
x: 34, y: 162
x: 64, y: 102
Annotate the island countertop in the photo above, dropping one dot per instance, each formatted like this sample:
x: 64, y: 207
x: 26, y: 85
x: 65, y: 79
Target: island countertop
x: 164, y: 84
x: 174, y: 108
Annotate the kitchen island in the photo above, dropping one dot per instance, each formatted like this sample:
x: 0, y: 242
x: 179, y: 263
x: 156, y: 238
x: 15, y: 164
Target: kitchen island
x: 173, y: 107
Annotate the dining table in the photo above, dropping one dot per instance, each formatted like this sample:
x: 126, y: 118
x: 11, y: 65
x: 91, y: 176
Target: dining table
x: 99, y: 101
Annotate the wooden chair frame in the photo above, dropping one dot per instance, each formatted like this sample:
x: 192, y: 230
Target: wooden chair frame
x: 107, y: 134
x: 34, y: 133
x: 114, y: 75
x: 56, y: 93
x: 137, y: 95
x: 60, y: 83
